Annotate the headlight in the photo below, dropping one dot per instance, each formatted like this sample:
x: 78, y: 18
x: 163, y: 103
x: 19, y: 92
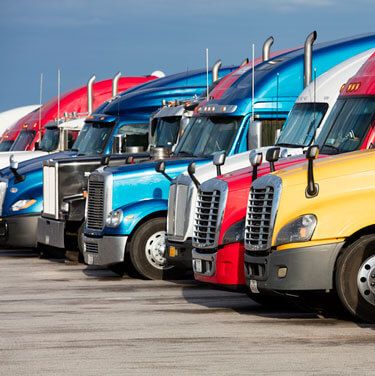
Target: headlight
x: 235, y: 233
x: 23, y: 204
x: 114, y: 218
x: 299, y: 230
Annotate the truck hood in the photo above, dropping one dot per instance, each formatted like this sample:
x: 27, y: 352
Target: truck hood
x: 19, y: 156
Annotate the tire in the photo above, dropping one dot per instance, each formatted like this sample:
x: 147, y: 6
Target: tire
x: 355, y: 272
x: 147, y: 249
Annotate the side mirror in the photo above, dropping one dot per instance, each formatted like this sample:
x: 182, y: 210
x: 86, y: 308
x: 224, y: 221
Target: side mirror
x: 256, y: 160
x: 36, y: 146
x: 254, y: 134
x: 191, y: 172
x: 13, y: 163
x: 312, y: 188
x: 219, y: 160
x: 272, y: 156
x: 117, y: 144
x: 160, y: 168
x: 312, y: 152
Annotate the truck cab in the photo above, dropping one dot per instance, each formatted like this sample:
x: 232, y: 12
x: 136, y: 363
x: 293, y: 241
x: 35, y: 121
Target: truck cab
x: 320, y: 240
x: 130, y: 224
x: 334, y: 252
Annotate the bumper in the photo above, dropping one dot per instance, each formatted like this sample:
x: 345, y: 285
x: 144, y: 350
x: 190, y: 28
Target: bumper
x: 51, y: 232
x: 104, y: 251
x: 179, y: 254
x: 224, y: 267
x: 298, y: 269
x: 19, y: 231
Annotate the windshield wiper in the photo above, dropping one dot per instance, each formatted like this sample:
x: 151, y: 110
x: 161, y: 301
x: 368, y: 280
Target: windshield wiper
x: 334, y: 148
x: 289, y: 145
x: 184, y: 154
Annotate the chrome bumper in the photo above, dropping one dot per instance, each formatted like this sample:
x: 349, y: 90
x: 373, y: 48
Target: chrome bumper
x: 104, y: 251
x: 204, y: 264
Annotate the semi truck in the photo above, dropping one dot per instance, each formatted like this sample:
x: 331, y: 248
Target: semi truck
x: 322, y: 235
x: 320, y: 230
x: 28, y: 131
x: 223, y: 265
x: 101, y: 136
x: 218, y: 262
x: 128, y: 224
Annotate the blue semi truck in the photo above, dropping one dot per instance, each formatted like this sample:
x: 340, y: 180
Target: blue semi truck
x: 127, y: 205
x: 121, y: 130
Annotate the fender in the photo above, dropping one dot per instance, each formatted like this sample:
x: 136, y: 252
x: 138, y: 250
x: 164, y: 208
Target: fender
x: 27, y: 192
x: 134, y: 213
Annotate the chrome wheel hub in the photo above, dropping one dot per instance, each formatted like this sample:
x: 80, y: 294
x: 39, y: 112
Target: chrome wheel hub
x: 366, y: 280
x: 155, y: 250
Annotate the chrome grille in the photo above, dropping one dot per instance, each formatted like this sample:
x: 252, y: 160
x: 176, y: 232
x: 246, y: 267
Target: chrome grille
x: 178, y: 211
x: 206, y: 218
x: 258, y: 226
x: 95, y: 204
x: 92, y: 247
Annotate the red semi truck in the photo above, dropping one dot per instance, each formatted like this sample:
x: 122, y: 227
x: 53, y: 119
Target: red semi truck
x: 350, y: 126
x: 29, y: 130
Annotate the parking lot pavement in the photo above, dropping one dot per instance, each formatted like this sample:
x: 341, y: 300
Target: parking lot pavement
x: 62, y: 319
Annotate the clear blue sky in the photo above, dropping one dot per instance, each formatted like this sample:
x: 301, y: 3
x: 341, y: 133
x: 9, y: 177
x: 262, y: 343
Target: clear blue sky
x: 82, y: 37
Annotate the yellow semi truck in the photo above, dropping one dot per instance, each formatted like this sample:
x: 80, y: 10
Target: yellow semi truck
x: 311, y: 227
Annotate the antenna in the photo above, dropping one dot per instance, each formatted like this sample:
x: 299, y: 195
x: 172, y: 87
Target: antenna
x: 253, y: 85
x: 40, y: 103
x: 277, y: 93
x: 58, y: 96
x: 207, y: 73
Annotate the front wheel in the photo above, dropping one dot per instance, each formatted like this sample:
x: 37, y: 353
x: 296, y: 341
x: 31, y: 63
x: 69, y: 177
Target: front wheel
x: 355, y: 278
x: 147, y: 250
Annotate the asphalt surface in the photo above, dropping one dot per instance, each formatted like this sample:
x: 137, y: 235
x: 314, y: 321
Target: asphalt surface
x: 59, y: 319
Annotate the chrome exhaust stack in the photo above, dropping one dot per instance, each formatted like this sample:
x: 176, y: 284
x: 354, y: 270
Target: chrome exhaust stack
x: 215, y: 71
x: 115, y: 84
x: 267, y: 48
x: 90, y: 94
x: 307, y: 64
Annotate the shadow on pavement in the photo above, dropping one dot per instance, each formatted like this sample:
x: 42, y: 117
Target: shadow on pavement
x: 19, y: 253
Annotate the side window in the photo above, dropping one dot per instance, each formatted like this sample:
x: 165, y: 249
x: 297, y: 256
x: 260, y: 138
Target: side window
x: 71, y: 138
x: 269, y: 130
x: 134, y: 135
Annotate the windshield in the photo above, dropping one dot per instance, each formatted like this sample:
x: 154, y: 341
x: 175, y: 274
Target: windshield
x: 165, y: 131
x: 92, y: 139
x: 24, y: 139
x: 50, y: 140
x: 206, y: 135
x: 6, y: 145
x: 301, y: 125
x: 347, y: 125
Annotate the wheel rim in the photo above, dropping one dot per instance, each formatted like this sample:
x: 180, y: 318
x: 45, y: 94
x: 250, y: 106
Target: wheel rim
x: 366, y: 280
x: 155, y: 250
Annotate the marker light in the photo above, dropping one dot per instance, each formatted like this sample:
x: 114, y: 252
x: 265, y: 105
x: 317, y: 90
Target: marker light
x: 354, y: 86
